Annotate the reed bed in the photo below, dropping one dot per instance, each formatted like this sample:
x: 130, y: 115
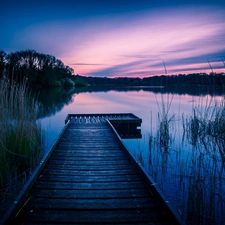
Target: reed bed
x: 20, y: 138
x: 190, y: 171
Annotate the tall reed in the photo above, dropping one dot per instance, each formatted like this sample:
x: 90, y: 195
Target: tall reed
x: 20, y: 138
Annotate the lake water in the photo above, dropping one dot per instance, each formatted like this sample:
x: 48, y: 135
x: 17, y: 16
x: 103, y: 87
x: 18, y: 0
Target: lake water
x: 190, y: 176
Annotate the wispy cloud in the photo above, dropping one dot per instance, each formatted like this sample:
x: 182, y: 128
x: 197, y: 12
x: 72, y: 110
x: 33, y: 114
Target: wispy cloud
x: 87, y: 64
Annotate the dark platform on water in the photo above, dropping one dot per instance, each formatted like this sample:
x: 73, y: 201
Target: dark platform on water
x: 126, y: 124
x: 89, y: 177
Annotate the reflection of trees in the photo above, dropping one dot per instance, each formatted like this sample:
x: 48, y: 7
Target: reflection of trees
x: 195, y: 79
x: 53, y: 100
x: 180, y: 90
x: 189, y: 90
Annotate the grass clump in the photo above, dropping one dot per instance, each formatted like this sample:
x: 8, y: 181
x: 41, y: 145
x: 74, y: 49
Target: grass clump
x: 20, y: 138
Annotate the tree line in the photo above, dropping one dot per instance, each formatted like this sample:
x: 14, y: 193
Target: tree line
x: 37, y: 68
x: 195, y: 79
x: 46, y: 70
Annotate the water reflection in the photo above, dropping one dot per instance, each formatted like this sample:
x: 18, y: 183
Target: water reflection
x: 191, y: 177
x: 53, y: 100
x: 176, y: 89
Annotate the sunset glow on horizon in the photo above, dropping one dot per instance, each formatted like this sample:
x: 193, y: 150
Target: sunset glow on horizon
x: 130, y: 39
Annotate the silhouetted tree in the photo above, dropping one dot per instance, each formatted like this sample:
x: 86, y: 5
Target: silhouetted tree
x: 37, y: 68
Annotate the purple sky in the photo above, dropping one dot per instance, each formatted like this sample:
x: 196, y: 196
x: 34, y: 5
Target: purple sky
x: 119, y: 38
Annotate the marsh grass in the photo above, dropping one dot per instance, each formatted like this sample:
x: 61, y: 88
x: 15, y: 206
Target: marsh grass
x: 191, y: 173
x: 20, y: 138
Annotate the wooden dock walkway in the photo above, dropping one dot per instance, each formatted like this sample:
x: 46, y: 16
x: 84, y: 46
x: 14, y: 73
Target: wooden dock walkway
x: 90, y: 178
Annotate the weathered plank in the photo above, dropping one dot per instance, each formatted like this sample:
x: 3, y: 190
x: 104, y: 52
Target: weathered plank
x: 90, y: 167
x: 87, y: 172
x: 95, y: 185
x: 91, y: 216
x: 115, y: 178
x: 89, y: 160
x: 91, y: 194
x: 94, y: 204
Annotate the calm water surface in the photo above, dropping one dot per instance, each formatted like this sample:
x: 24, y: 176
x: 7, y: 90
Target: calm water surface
x: 192, y: 180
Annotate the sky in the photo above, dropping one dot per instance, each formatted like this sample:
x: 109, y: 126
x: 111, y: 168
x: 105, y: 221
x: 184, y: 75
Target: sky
x: 119, y: 38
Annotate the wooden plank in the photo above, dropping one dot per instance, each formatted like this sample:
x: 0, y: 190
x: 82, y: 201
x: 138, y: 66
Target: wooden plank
x: 87, y: 172
x: 97, y: 117
x: 88, y: 147
x: 88, y: 166
x: 91, y: 155
x: 91, y: 194
x: 78, y: 178
x: 90, y: 185
x: 129, y: 223
x: 81, y: 158
x: 90, y: 216
x: 89, y: 162
x: 92, y: 151
x: 94, y: 204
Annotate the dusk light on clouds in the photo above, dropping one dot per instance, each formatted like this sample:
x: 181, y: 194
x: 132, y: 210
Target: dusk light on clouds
x: 120, y: 38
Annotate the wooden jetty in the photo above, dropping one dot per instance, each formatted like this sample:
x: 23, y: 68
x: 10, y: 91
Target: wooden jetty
x: 89, y: 177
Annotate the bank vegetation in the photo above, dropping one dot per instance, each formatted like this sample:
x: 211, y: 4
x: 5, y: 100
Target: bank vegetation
x: 21, y: 139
